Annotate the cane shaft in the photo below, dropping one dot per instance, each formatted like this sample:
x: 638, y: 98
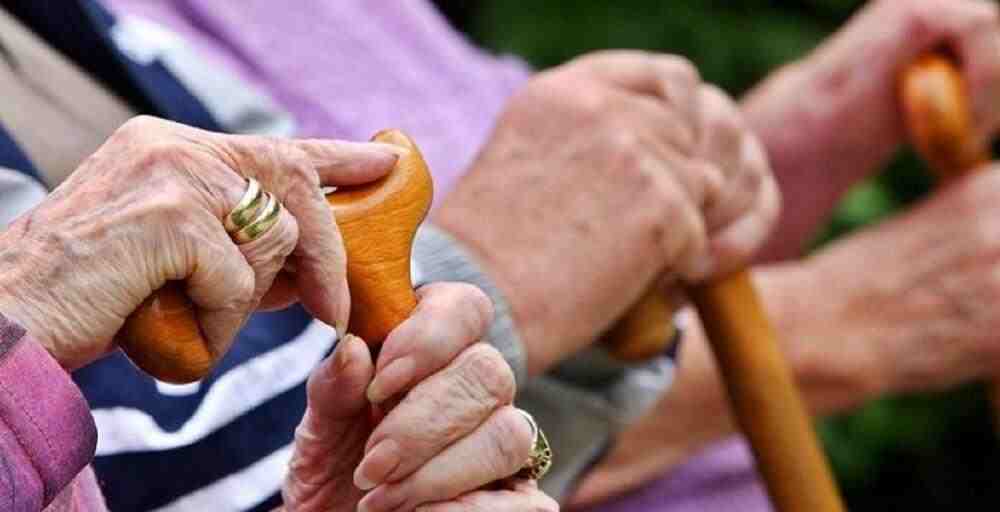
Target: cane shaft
x: 765, y: 400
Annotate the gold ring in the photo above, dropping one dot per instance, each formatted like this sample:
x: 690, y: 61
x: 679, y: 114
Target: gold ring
x: 245, y: 210
x: 266, y: 218
x: 540, y: 461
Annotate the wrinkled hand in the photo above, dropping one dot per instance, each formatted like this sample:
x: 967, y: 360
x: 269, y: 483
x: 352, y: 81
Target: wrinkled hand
x: 907, y: 305
x: 451, y: 431
x: 863, y: 59
x: 147, y: 207
x: 833, y: 117
x: 601, y: 175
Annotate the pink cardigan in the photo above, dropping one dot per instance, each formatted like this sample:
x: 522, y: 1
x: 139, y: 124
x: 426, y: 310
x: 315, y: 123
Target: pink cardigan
x: 47, y: 436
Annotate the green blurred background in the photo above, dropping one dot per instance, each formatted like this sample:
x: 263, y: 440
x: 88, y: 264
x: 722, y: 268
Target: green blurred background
x: 923, y: 452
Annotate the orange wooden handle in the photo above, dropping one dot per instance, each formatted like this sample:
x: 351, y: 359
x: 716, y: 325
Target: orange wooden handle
x: 938, y: 116
x: 377, y: 222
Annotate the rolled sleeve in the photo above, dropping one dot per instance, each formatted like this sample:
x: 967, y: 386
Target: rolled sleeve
x: 47, y: 435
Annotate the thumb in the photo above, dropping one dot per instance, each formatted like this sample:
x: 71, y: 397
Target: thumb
x: 330, y: 441
x: 336, y: 388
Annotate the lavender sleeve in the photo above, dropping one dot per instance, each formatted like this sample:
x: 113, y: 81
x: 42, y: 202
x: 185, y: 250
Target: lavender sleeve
x: 47, y: 436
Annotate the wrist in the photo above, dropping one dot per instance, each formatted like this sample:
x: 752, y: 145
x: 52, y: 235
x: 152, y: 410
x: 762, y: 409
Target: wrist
x: 800, y: 114
x: 18, y: 305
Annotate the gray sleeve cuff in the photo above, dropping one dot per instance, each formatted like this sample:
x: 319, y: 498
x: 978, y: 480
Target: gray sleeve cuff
x: 582, y: 404
x: 439, y: 257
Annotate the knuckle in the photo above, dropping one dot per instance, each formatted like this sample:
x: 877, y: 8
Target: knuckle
x: 608, y: 57
x: 772, y: 203
x: 485, y: 368
x: 462, y: 304
x: 243, y: 290
x: 477, y: 306
x: 511, y: 438
x: 541, y: 502
x: 136, y: 127
x: 627, y: 150
x: 720, y: 111
x: 680, y: 68
x: 169, y: 206
x: 917, y: 18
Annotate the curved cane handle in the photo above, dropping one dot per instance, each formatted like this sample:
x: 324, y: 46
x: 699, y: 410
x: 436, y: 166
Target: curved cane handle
x: 377, y: 222
x: 938, y: 116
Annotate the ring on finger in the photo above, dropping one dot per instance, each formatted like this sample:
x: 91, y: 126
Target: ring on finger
x: 540, y: 461
x: 266, y: 218
x: 246, y: 209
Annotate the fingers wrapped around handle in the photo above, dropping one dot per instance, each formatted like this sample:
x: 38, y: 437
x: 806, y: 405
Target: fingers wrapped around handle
x: 377, y: 222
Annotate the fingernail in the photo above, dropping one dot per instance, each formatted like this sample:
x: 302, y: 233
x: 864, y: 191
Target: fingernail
x: 393, y: 378
x: 387, y: 149
x: 377, y: 465
x: 342, y: 312
x: 382, y: 498
x: 341, y: 356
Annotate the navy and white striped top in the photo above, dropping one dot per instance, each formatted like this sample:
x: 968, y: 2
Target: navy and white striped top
x: 232, y: 451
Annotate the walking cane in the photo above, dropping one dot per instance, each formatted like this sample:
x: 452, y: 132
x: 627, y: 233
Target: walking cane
x: 377, y: 222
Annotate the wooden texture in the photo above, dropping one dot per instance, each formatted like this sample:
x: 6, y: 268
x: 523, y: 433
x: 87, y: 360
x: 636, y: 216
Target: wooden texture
x: 766, y: 402
x: 938, y: 117
x: 377, y: 222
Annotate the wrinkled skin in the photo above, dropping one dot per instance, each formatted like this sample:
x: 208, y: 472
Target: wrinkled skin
x: 451, y: 431
x: 147, y: 207
x: 601, y: 175
x: 902, y: 306
x: 802, y: 112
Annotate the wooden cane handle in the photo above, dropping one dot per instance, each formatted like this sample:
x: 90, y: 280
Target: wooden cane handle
x: 938, y: 116
x: 377, y: 222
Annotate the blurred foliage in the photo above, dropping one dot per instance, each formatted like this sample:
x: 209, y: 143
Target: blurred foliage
x: 916, y: 453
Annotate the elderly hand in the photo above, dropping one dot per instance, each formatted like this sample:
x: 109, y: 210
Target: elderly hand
x: 147, y: 207
x: 920, y: 315
x: 601, y: 175
x: 833, y: 117
x: 451, y: 432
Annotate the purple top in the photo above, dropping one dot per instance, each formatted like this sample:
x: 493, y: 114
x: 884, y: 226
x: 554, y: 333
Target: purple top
x: 348, y: 68
x: 47, y: 435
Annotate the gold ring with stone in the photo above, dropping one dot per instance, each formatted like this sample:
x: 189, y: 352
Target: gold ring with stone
x: 266, y: 218
x: 246, y: 209
x: 540, y: 461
